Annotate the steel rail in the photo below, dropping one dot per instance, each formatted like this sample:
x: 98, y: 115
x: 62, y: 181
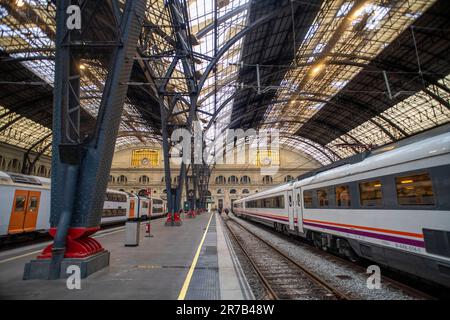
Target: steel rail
x: 272, y: 292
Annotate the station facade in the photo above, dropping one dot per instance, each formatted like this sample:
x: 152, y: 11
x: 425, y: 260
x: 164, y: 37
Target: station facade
x: 142, y: 167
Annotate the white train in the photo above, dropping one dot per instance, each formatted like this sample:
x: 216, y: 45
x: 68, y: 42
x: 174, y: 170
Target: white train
x: 393, y: 208
x: 25, y: 205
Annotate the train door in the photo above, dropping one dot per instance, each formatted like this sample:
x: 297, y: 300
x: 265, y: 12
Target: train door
x: 24, y: 211
x: 132, y: 205
x: 290, y: 204
x: 150, y: 207
x: 298, y: 209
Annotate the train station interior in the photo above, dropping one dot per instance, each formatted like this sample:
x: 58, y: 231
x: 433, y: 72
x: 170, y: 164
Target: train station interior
x: 225, y: 149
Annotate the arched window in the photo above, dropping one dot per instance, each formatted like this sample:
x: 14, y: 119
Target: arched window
x: 288, y: 178
x: 233, y: 191
x: 219, y: 191
x: 112, y: 179
x: 220, y: 180
x: 267, y: 180
x: 2, y: 165
x: 245, y: 180
x: 245, y: 191
x: 14, y: 165
x: 233, y: 180
x: 144, y: 180
x: 122, y: 179
x: 42, y: 171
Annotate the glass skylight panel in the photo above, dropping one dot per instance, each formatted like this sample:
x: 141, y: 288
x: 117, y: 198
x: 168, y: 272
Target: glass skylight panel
x: 24, y: 132
x: 313, y: 73
x: 201, y: 13
x: 412, y: 115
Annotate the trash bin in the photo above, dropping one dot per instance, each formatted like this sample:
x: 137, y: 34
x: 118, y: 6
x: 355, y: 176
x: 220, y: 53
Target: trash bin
x: 132, y: 233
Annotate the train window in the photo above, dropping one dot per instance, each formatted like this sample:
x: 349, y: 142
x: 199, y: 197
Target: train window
x: 299, y: 201
x: 280, y: 202
x: 308, y: 199
x: 370, y: 193
x: 20, y: 203
x: 343, y: 196
x: 145, y: 204
x: 272, y: 202
x: 33, y: 204
x: 322, y: 197
x: 290, y: 201
x: 415, y: 190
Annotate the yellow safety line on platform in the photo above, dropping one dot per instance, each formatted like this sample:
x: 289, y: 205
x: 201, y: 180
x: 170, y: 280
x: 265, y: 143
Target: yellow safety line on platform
x: 185, y: 287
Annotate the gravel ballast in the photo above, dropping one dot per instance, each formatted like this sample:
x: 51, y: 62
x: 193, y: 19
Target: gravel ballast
x: 337, y: 273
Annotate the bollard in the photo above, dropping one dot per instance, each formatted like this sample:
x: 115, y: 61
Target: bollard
x: 148, y: 227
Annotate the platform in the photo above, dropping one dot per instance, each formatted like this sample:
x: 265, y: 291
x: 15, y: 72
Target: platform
x: 194, y: 261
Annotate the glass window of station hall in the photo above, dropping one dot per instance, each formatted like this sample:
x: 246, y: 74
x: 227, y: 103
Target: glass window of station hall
x: 220, y: 180
x: 233, y: 180
x: 245, y: 180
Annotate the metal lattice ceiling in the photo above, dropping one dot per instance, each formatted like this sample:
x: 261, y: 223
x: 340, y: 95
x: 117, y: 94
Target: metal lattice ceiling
x: 330, y: 102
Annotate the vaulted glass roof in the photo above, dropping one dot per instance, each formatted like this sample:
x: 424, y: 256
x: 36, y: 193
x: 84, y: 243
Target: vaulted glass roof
x: 384, y: 57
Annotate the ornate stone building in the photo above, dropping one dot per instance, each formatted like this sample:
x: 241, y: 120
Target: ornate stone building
x: 12, y: 159
x: 140, y: 168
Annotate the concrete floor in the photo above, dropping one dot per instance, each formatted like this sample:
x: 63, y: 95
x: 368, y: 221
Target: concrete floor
x: 156, y: 269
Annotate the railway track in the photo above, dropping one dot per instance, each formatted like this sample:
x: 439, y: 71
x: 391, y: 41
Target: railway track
x: 387, y: 281
x: 282, y: 277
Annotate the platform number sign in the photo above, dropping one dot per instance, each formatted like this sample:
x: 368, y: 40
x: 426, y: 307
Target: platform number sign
x: 374, y: 280
x: 74, y: 279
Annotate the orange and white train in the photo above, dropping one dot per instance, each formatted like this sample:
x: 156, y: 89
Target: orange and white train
x: 25, y: 205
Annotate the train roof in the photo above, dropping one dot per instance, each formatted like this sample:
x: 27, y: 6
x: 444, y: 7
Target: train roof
x: 10, y: 178
x: 429, y: 144
x: 428, y: 147
x: 431, y: 133
x: 115, y: 191
x: 270, y: 191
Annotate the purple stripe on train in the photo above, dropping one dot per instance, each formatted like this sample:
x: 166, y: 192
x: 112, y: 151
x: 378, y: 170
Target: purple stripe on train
x: 411, y: 242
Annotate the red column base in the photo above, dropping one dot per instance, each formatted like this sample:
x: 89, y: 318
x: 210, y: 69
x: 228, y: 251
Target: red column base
x: 78, y: 244
x: 191, y: 214
x: 176, y: 221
